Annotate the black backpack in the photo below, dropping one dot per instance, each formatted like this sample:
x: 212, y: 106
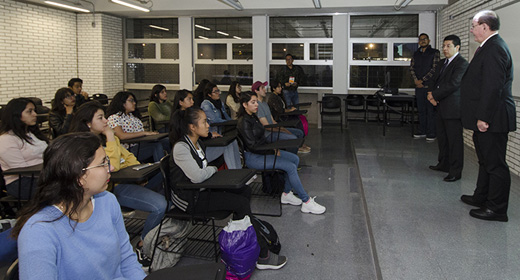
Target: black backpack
x: 266, y: 235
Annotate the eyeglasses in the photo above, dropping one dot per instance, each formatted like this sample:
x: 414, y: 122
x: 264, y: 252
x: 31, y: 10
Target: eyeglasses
x: 473, y: 26
x: 216, y: 91
x: 131, y: 100
x: 105, y: 164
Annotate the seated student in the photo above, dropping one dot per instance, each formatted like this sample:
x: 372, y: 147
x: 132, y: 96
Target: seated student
x: 21, y: 144
x: 198, y: 94
x: 214, y: 107
x: 233, y: 99
x: 60, y: 115
x: 73, y: 227
x: 123, y: 118
x: 159, y: 107
x: 265, y: 117
x: 191, y: 164
x: 253, y: 134
x: 76, y: 84
x: 277, y: 102
x: 91, y: 117
x: 184, y: 100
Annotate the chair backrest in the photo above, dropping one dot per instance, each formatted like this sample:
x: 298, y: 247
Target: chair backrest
x: 165, y: 171
x: 355, y: 100
x: 12, y: 272
x: 373, y: 100
x: 101, y: 98
x: 331, y: 102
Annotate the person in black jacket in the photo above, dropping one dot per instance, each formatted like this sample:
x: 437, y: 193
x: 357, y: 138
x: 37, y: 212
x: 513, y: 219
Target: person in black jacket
x: 252, y: 132
x: 61, y: 112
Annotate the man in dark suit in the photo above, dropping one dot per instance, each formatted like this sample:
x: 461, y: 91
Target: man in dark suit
x: 445, y: 95
x: 489, y: 110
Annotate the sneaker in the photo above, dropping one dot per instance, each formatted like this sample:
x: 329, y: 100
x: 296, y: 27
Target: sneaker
x: 143, y: 259
x: 251, y: 180
x: 311, y: 206
x: 430, y: 139
x: 273, y: 261
x: 303, y: 150
x: 290, y: 198
x: 418, y: 136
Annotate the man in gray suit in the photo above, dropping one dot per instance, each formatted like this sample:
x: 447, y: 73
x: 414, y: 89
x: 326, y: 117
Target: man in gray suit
x: 445, y: 95
x: 489, y: 110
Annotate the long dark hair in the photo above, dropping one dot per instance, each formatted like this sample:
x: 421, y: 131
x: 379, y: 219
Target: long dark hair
x: 117, y: 105
x: 11, y: 120
x: 84, y: 115
x: 208, y: 90
x: 198, y: 94
x: 57, y: 102
x: 233, y: 91
x: 155, y: 93
x: 181, y: 121
x: 59, y: 181
x: 244, y: 98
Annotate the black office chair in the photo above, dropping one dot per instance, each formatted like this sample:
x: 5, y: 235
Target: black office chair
x: 101, y: 98
x: 355, y: 103
x: 373, y: 105
x: 202, y: 240
x: 331, y: 106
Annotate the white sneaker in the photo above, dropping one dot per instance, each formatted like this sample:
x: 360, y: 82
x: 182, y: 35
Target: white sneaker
x: 311, y: 206
x: 290, y: 198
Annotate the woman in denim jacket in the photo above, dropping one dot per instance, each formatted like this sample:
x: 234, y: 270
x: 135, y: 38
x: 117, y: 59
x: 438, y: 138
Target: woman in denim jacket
x: 214, y: 108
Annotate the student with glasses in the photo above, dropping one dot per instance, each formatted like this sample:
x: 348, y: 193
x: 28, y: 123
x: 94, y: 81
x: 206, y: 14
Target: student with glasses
x: 124, y: 119
x: 60, y: 116
x: 73, y: 227
x: 214, y: 108
x: 91, y: 117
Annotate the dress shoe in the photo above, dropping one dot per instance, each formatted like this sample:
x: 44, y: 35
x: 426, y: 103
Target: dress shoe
x: 488, y: 215
x: 450, y: 178
x: 437, y: 168
x: 468, y: 199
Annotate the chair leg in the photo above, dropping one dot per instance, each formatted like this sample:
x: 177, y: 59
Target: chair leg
x: 215, y: 242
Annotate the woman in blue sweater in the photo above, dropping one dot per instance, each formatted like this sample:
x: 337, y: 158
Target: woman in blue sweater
x: 73, y: 228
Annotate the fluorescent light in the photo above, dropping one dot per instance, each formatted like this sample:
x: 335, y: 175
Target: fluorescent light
x: 222, y: 33
x: 236, y: 37
x: 317, y: 4
x: 202, y: 27
x: 67, y: 6
x: 234, y: 3
x: 158, y: 27
x: 131, y: 5
x: 202, y: 37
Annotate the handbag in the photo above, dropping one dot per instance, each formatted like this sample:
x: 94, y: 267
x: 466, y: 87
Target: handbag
x: 273, y: 182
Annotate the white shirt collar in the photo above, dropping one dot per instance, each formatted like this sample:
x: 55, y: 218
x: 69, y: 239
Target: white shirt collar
x: 482, y: 44
x: 453, y: 57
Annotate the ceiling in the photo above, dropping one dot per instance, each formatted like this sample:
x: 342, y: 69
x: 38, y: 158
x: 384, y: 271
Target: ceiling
x: 217, y: 8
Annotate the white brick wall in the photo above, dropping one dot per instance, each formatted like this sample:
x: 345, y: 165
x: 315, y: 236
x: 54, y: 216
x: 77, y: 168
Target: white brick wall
x: 37, y: 50
x: 459, y: 26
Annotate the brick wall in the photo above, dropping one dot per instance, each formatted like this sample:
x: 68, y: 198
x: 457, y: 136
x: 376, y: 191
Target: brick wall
x: 455, y: 19
x: 37, y: 50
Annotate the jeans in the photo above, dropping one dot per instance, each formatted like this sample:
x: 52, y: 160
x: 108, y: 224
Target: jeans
x: 426, y: 113
x: 230, y: 152
x: 27, y: 185
x: 155, y: 150
x: 291, y: 97
x: 144, y: 199
x: 287, y: 162
x: 283, y: 136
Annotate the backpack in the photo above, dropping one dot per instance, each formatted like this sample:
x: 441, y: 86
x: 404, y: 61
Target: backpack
x: 266, y: 234
x: 273, y: 182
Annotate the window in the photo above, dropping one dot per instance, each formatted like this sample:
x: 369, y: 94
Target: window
x: 224, y: 50
x: 152, y: 52
x: 309, y: 41
x: 379, y: 45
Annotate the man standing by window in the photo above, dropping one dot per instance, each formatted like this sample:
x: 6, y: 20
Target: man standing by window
x: 422, y: 68
x: 291, y: 77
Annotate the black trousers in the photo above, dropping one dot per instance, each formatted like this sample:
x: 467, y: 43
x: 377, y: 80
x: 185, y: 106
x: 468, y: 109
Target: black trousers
x: 494, y: 179
x: 451, y: 145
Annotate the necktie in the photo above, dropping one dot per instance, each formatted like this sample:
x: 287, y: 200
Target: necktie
x: 444, y: 66
x: 478, y: 49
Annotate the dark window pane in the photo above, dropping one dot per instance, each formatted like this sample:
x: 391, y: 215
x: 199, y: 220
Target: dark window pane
x: 384, y: 26
x: 280, y: 50
x: 224, y: 74
x: 212, y: 51
x: 315, y: 75
x: 374, y: 76
x: 170, y: 51
x: 152, y: 28
x: 321, y: 51
x: 369, y: 51
x: 224, y: 28
x: 152, y: 73
x: 141, y: 50
x: 243, y: 51
x: 300, y: 27
x: 404, y: 51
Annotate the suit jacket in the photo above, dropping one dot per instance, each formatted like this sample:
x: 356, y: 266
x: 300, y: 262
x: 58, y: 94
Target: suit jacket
x: 446, y: 87
x: 486, y: 88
